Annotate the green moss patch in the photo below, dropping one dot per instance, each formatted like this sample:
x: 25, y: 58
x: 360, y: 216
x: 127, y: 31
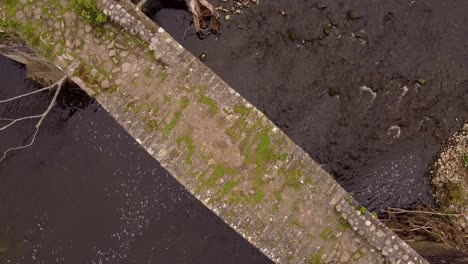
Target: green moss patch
x: 326, y: 233
x: 89, y: 11
x: 188, y: 142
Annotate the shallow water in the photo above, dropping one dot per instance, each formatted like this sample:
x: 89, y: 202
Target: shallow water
x: 347, y: 94
x: 86, y: 192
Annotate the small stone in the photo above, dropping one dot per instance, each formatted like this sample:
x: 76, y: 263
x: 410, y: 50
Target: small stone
x: 111, y: 45
x: 105, y: 84
x: 380, y: 233
x: 88, y: 28
x: 338, y: 208
x: 345, y: 257
x: 115, y: 60
x: 384, y: 252
x: 355, y: 14
x: 112, y: 53
x: 115, y: 70
x: 227, y: 17
x: 125, y: 67
x: 124, y: 53
x: 360, y: 34
x: 119, y: 46
x: 368, y: 223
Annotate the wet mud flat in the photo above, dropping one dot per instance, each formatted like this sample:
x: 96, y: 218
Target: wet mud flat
x: 370, y: 89
x: 86, y: 192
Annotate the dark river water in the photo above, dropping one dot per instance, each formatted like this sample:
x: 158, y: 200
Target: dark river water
x: 86, y: 192
x: 370, y: 89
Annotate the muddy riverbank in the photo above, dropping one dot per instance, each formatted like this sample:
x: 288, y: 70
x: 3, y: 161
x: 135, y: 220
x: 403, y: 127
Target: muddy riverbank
x: 86, y: 192
x: 370, y: 90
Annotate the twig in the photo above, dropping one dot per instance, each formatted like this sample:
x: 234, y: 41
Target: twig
x: 402, y: 211
x: 41, y: 117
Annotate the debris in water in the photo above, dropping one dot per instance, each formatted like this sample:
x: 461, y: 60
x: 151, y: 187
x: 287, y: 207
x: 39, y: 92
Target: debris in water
x: 369, y: 90
x: 328, y: 29
x: 203, y: 56
x: 292, y: 36
x: 395, y: 131
x: 421, y: 81
x: 355, y: 15
x: 405, y: 90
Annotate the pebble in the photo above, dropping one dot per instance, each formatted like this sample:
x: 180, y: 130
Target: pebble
x: 111, y: 45
x: 105, y: 84
x: 345, y: 257
x: 112, y: 53
x: 125, y: 67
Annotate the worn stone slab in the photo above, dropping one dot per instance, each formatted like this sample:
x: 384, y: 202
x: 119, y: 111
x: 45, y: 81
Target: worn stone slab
x: 222, y: 149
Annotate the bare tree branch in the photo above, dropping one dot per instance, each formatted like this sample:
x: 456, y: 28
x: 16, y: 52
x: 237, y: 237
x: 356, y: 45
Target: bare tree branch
x: 27, y: 94
x: 41, y: 117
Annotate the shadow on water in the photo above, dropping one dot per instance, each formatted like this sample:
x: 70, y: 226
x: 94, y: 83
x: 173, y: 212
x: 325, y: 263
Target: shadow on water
x: 371, y: 90
x: 86, y: 192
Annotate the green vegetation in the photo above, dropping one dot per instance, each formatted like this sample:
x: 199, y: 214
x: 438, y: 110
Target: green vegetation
x: 31, y: 33
x: 218, y: 172
x: 162, y: 74
x: 344, y: 224
x: 296, y: 223
x: 293, y: 179
x: 258, y: 196
x: 359, y: 254
x: 187, y: 140
x: 88, y: 10
x: 148, y: 72
x: 465, y: 161
x: 10, y: 6
x: 205, y: 100
x: 176, y: 118
x: 456, y: 193
x: 326, y: 233
x: 363, y: 210
x: 316, y: 258
x: 227, y: 188
x: 241, y: 109
x: 3, y: 248
x: 264, y: 151
x: 151, y: 124
x: 293, y: 36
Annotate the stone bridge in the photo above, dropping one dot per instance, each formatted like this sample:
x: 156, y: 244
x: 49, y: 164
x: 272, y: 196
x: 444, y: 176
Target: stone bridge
x: 216, y: 144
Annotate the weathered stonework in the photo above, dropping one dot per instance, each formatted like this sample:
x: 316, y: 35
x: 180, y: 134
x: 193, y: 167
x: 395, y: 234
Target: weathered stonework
x: 222, y: 149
